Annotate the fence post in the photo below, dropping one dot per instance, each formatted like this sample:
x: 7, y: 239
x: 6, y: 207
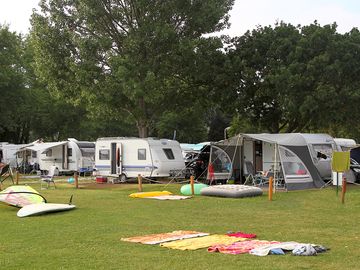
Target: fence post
x: 270, y: 188
x: 17, y: 177
x: 192, y: 185
x: 76, y: 177
x: 343, y: 190
x: 140, y: 182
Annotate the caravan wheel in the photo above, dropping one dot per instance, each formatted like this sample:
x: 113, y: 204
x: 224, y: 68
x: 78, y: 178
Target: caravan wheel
x: 122, y: 178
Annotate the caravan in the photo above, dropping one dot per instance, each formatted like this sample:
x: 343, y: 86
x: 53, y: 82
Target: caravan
x: 8, y: 153
x: 128, y: 157
x: 68, y: 156
x: 301, y: 160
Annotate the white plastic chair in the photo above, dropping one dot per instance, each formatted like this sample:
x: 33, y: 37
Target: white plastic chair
x: 49, y: 178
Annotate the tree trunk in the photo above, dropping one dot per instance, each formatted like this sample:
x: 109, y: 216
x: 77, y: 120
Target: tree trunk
x: 143, y: 129
x: 142, y: 122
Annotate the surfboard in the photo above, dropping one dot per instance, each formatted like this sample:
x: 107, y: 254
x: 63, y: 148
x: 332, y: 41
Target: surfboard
x: 149, y: 194
x: 42, y: 208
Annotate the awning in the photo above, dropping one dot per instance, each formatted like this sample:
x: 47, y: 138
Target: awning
x: 42, y: 146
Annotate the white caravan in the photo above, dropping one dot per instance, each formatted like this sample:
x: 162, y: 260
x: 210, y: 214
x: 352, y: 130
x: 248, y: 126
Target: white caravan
x: 8, y: 153
x: 345, y: 144
x: 68, y: 156
x: 123, y: 157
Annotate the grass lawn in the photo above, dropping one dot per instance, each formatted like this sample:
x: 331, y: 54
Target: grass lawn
x: 89, y: 236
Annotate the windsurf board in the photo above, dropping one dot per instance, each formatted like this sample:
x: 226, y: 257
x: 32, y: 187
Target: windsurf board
x: 43, y: 208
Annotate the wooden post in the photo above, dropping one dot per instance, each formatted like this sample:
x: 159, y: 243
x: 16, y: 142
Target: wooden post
x: 140, y: 182
x: 192, y: 185
x: 343, y: 190
x: 270, y: 188
x: 76, y: 177
x: 17, y: 178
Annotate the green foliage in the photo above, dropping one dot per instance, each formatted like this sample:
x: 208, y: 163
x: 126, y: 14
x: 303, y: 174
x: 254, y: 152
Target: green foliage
x: 186, y: 123
x: 132, y: 54
x: 295, y: 79
x: 14, y: 124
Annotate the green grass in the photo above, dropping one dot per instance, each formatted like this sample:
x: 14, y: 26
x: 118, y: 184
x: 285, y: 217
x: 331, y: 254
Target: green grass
x: 89, y: 236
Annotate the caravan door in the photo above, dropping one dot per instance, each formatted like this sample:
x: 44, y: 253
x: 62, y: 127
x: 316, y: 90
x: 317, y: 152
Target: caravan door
x: 65, y: 156
x: 116, y: 158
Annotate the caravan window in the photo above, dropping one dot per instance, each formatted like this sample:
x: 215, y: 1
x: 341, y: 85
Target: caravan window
x: 220, y: 161
x: 324, y: 149
x: 104, y: 154
x: 33, y: 154
x: 169, y: 153
x: 291, y: 164
x: 142, y: 154
x: 49, y: 152
x: 69, y: 152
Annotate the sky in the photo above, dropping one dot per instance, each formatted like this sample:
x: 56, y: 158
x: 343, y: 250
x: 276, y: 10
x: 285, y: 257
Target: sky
x: 245, y: 15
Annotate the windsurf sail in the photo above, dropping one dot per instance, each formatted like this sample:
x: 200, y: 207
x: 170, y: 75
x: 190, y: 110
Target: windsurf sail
x: 20, y: 196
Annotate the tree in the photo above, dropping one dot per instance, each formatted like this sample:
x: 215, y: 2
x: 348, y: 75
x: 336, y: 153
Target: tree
x: 293, y: 79
x: 133, y: 56
x: 14, y: 125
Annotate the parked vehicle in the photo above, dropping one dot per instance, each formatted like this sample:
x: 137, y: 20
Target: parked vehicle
x: 8, y: 153
x: 68, y: 156
x: 124, y: 157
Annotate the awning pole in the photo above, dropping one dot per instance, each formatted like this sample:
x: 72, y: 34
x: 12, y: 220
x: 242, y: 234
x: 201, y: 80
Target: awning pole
x: 275, y: 168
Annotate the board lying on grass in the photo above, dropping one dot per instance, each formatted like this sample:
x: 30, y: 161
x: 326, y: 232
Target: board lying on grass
x: 42, y: 208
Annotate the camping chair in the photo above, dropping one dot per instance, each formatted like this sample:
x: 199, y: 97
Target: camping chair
x: 252, y: 178
x: 49, y: 178
x: 6, y: 172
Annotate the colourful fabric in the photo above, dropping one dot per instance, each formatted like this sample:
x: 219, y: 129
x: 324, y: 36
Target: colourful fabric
x: 202, y: 242
x: 153, y: 239
x: 20, y: 196
x: 169, y: 197
x: 242, y: 235
x: 240, y: 247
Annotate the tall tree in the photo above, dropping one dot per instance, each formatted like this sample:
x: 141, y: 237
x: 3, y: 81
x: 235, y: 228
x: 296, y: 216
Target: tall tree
x: 293, y: 79
x: 133, y: 56
x: 14, y: 126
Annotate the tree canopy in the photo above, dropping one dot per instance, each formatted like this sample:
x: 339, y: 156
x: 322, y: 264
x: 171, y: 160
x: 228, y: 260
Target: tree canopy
x: 98, y: 68
x: 295, y: 79
x: 137, y: 57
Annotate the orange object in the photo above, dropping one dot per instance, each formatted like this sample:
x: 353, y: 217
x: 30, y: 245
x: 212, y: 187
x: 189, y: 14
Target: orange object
x: 270, y: 188
x: 140, y: 182
x: 211, y: 173
x: 192, y: 185
x: 343, y: 191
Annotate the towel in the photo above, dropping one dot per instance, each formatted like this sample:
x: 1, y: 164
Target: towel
x: 154, y: 239
x: 202, y: 242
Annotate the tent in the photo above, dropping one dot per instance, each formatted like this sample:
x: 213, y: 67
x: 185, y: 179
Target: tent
x: 301, y: 160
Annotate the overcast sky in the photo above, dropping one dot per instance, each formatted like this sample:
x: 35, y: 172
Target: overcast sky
x: 245, y: 15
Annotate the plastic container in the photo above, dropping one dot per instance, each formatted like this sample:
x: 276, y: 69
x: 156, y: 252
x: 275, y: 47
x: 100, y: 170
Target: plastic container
x: 101, y: 179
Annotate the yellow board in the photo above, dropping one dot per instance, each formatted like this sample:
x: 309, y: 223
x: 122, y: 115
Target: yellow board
x: 340, y: 161
x: 149, y: 194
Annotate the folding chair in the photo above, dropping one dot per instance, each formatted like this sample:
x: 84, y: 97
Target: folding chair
x: 252, y: 178
x: 6, y: 172
x: 49, y: 178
